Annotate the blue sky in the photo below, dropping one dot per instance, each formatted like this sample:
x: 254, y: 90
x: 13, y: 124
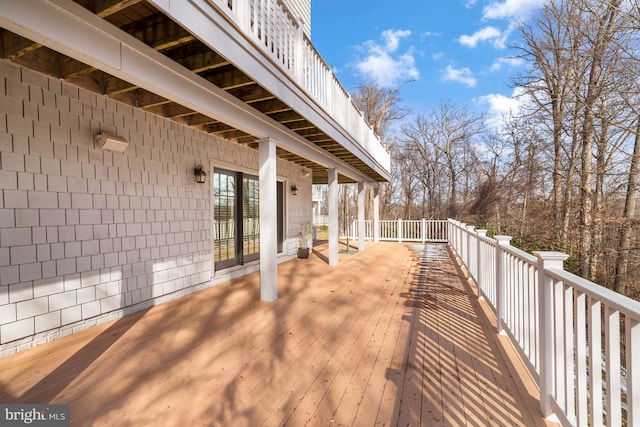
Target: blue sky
x: 453, y: 50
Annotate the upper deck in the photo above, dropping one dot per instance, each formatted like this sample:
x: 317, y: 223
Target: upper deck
x: 241, y: 70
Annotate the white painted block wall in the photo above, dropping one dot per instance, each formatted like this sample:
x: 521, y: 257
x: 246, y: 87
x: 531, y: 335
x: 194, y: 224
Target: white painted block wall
x: 88, y: 235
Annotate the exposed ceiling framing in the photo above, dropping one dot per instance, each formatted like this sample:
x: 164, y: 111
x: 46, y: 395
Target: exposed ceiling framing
x: 143, y: 21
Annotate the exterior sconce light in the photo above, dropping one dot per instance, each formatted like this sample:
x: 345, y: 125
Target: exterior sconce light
x: 201, y: 175
x: 294, y: 190
x: 110, y: 141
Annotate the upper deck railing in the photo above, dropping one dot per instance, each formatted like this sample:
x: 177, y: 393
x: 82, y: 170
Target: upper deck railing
x: 273, y: 27
x: 580, y: 341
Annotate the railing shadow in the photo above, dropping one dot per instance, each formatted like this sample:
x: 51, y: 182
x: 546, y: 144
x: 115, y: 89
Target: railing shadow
x: 452, y: 372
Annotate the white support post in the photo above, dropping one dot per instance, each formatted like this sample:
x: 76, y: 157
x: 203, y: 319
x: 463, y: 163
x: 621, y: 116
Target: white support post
x: 501, y: 278
x: 479, y: 280
x: 268, y: 221
x: 399, y: 231
x: 424, y: 231
x: 361, y: 223
x: 547, y: 260
x: 332, y: 200
x: 376, y: 214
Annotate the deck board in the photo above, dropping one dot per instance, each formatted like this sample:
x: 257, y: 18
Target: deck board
x: 392, y: 336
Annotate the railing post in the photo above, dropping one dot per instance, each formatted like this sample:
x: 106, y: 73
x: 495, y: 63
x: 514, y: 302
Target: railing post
x: 632, y: 329
x: 463, y: 244
x: 424, y: 230
x: 243, y: 11
x: 354, y: 228
x: 471, y: 256
x: 545, y: 315
x: 399, y: 231
x: 481, y: 233
x: 298, y: 49
x: 501, y: 278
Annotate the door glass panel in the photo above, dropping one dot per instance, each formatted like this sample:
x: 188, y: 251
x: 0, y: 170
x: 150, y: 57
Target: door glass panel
x: 251, y: 218
x: 224, y: 229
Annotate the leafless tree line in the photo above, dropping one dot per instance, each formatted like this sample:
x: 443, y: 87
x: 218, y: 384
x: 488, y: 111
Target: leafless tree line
x: 561, y: 173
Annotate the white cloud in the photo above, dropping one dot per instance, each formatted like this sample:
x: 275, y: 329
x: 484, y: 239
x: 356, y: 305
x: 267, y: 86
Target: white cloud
x: 511, y: 9
x: 500, y: 106
x: 392, y: 39
x: 486, y: 34
x: 461, y: 75
x: 384, y: 65
x: 428, y: 34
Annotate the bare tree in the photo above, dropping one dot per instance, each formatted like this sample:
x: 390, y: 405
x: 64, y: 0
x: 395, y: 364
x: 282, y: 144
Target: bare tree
x: 626, y: 232
x: 381, y: 108
x: 441, y: 143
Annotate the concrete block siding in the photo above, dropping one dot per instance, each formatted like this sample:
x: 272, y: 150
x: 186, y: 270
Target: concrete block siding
x: 87, y: 235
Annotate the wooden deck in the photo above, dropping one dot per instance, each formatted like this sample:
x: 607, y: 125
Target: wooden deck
x: 392, y: 337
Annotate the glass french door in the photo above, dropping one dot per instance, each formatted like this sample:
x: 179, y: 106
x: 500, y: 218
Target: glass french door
x: 236, y: 218
x: 224, y: 222
x: 236, y: 224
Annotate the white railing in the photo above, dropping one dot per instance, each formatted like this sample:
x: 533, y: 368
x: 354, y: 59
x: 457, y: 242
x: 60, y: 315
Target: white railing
x: 580, y: 340
x: 399, y: 230
x: 282, y: 37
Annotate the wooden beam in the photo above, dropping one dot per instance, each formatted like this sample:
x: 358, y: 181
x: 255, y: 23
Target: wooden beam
x: 159, y: 32
x: 15, y: 46
x: 171, y: 110
x: 271, y: 106
x: 107, y: 8
x: 228, y: 77
x: 250, y: 94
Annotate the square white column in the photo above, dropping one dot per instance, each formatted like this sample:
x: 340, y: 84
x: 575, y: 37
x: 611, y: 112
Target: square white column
x: 332, y: 199
x: 376, y: 214
x: 361, y: 216
x: 268, y: 221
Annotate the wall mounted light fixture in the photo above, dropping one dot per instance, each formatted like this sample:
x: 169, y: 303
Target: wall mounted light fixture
x: 110, y: 141
x: 294, y: 190
x: 201, y: 175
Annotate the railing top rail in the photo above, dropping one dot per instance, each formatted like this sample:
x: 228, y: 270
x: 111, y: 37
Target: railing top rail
x: 530, y: 259
x: 619, y: 302
x: 487, y: 239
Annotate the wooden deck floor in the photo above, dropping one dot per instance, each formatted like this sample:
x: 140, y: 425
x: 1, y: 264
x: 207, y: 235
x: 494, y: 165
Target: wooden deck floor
x: 391, y: 337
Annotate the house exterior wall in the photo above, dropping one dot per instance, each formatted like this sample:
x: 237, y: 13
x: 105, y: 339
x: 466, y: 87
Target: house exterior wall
x: 88, y: 235
x: 301, y: 9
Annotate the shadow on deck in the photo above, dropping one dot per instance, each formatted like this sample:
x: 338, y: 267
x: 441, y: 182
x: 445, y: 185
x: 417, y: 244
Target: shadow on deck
x: 391, y: 336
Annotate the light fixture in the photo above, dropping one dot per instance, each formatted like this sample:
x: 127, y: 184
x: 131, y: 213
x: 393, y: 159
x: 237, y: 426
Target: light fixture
x: 109, y: 141
x: 294, y: 190
x: 201, y: 175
